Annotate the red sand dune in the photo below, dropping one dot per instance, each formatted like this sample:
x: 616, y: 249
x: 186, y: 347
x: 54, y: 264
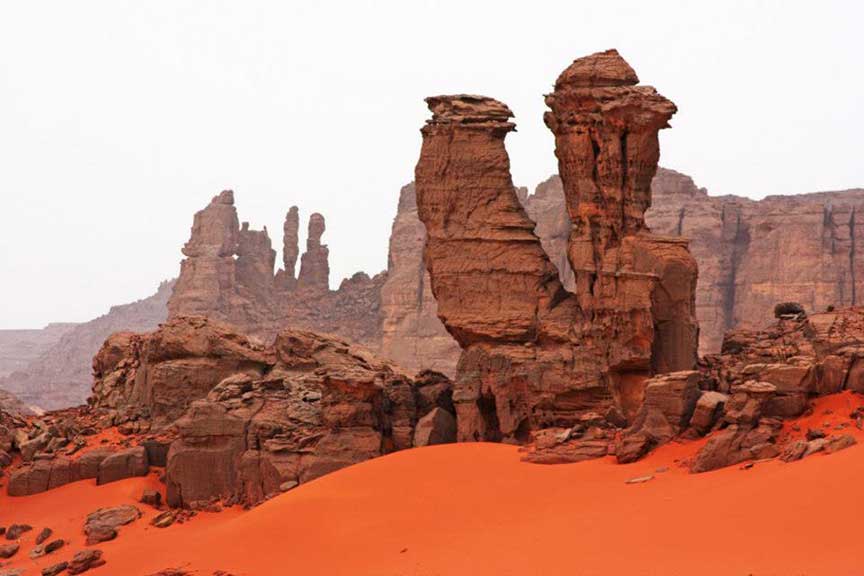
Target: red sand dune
x: 475, y: 509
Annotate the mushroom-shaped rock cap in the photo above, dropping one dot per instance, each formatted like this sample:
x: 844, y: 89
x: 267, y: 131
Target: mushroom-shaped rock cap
x: 601, y: 69
x: 468, y: 109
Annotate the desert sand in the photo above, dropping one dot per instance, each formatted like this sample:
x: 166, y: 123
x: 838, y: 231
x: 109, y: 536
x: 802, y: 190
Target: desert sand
x: 477, y: 509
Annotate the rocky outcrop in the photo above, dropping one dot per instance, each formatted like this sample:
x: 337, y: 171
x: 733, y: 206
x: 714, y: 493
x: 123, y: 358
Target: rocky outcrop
x: 211, y: 281
x: 61, y: 376
x: 764, y: 376
x: 157, y: 375
x: 606, y: 132
x: 228, y: 275
x: 57, y: 448
x: 230, y: 419
x: 285, y: 279
x: 320, y: 407
x: 743, y: 249
x: 250, y: 418
x: 755, y: 254
x: 802, y: 357
x: 668, y: 404
x: 535, y: 355
x: 737, y: 243
x: 411, y: 333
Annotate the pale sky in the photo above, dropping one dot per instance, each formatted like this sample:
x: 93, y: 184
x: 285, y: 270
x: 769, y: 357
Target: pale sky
x: 120, y: 119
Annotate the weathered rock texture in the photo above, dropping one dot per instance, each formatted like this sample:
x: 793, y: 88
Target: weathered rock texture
x: 230, y: 419
x: 412, y: 335
x: 20, y: 347
x: 250, y: 418
x: 228, y: 275
x: 767, y: 375
x: 60, y: 376
x: 606, y: 141
x: 535, y: 355
x: 751, y: 255
x: 802, y: 357
x: 156, y: 375
x: 755, y: 254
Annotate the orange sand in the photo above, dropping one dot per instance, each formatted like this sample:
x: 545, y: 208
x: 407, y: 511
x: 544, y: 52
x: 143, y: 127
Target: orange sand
x: 475, y: 509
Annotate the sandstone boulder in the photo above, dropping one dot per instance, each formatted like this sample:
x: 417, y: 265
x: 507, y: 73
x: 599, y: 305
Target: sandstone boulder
x: 124, y: 464
x: 708, y: 410
x: 102, y: 525
x: 436, y: 427
x: 84, y: 561
x: 737, y: 443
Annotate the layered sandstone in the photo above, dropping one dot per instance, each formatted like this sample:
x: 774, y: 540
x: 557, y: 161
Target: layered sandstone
x: 535, y: 355
x: 230, y: 419
x: 61, y: 375
x: 411, y: 333
x: 20, y: 347
x: 772, y: 374
x: 755, y: 254
x: 751, y: 255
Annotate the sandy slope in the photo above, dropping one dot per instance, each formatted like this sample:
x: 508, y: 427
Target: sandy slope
x: 476, y: 509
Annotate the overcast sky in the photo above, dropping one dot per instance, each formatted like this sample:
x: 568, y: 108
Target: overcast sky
x: 120, y: 119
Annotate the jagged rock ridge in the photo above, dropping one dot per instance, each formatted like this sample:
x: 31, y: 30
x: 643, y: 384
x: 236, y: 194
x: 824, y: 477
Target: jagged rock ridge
x: 228, y: 274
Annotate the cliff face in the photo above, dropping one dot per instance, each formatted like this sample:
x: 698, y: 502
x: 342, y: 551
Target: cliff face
x: 533, y: 354
x: 61, y: 375
x: 755, y: 254
x: 411, y: 333
x: 19, y: 347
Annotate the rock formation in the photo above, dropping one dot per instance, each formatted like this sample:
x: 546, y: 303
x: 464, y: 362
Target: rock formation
x: 535, y: 355
x: 20, y: 347
x: 755, y: 254
x: 411, y: 333
x: 209, y: 283
x: 771, y: 374
x: 231, y: 420
x: 606, y: 140
x: 250, y: 418
x: 314, y: 265
x: 751, y: 255
x: 285, y: 279
x: 228, y: 275
x: 60, y: 376
x: 156, y: 375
